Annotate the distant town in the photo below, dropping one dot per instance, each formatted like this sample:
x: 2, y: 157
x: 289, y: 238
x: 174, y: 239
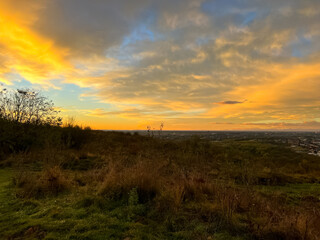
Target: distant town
x: 308, y: 142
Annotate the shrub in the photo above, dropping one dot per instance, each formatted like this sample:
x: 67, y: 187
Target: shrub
x: 74, y: 136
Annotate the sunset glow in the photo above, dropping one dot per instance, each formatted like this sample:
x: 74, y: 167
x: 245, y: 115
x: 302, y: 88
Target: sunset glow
x: 192, y: 64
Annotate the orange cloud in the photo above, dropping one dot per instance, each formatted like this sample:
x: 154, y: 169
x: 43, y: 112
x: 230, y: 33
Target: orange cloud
x: 25, y: 52
x: 196, y: 75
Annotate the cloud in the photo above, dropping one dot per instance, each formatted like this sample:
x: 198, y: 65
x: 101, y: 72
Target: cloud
x: 88, y: 27
x: 231, y: 102
x: 171, y: 59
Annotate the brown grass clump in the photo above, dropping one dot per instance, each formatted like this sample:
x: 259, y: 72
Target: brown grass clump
x: 120, y: 180
x: 270, y: 217
x: 184, y: 188
x: 51, y: 181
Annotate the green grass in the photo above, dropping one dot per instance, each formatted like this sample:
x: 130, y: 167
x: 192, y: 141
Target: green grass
x: 294, y: 193
x: 63, y: 217
x: 119, y: 186
x: 74, y: 215
x: 56, y: 218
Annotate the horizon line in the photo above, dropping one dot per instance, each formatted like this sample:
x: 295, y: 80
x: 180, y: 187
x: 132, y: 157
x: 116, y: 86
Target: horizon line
x: 253, y: 130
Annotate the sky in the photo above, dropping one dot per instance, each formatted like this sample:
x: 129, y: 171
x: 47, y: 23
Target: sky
x: 191, y: 64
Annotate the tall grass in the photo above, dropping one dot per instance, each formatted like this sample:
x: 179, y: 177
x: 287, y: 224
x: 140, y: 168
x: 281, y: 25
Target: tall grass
x: 51, y: 181
x: 214, y: 183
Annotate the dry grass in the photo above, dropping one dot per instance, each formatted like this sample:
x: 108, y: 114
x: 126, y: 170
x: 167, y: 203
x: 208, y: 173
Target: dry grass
x: 50, y: 181
x: 119, y: 180
x: 168, y: 184
x: 265, y: 217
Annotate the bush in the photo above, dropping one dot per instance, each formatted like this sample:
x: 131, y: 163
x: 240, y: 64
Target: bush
x: 74, y: 136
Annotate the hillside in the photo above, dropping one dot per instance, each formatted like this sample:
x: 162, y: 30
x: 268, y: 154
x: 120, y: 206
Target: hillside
x: 71, y: 183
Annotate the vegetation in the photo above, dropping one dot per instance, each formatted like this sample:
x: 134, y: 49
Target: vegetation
x: 27, y: 106
x: 74, y: 183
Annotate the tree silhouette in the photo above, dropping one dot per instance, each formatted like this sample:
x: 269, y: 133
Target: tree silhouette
x: 28, y: 106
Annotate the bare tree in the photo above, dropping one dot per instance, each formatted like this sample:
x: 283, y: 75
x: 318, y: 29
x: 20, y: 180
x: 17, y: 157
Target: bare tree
x: 28, y: 106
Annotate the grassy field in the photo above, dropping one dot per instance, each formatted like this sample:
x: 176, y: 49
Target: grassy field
x: 123, y: 186
x: 83, y: 215
x: 69, y: 216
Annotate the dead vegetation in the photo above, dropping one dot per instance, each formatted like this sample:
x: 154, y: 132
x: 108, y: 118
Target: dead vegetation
x: 212, y: 182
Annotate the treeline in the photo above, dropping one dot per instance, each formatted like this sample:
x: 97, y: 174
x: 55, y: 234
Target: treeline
x: 30, y: 121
